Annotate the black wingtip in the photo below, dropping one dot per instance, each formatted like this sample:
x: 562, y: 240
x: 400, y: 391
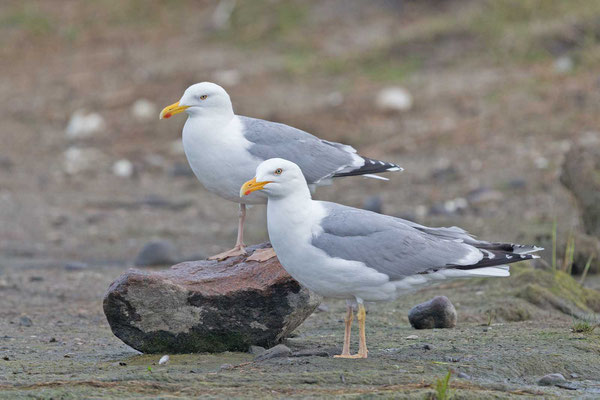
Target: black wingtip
x: 371, y: 166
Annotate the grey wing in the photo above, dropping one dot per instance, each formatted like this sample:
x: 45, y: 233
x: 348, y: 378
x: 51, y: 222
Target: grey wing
x: 318, y: 159
x: 388, y: 244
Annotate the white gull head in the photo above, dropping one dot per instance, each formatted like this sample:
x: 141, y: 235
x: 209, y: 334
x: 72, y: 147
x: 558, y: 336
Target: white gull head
x: 206, y: 98
x: 278, y: 178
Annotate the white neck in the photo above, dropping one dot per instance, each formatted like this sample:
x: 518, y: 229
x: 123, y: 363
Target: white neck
x: 287, y: 217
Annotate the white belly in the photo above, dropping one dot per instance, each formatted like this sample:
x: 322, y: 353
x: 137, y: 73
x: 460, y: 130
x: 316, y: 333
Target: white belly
x: 219, y: 159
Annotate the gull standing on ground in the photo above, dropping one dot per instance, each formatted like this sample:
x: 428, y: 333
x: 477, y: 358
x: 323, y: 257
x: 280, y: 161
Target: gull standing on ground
x: 224, y: 149
x: 358, y: 255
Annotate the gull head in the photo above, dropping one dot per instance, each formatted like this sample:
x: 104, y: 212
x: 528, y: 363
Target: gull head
x: 277, y: 178
x: 204, y: 98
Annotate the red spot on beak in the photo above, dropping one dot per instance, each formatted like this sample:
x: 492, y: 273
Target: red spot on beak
x: 167, y: 115
x: 247, y: 192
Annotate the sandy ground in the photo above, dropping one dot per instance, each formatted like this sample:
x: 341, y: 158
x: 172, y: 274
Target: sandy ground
x: 68, y: 350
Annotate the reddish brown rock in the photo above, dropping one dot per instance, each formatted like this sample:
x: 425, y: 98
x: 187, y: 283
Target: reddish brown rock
x: 207, y: 306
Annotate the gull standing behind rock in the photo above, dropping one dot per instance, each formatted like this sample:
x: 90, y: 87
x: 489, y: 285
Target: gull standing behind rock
x: 224, y: 149
x: 358, y: 255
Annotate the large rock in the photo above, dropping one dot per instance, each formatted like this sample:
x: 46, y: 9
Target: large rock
x: 581, y: 175
x: 207, y: 306
x: 435, y: 313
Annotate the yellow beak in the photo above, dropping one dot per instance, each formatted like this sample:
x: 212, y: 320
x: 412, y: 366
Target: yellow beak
x: 171, y: 110
x: 252, y: 186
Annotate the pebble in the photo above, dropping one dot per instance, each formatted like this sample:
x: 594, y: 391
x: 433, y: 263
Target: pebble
x: 551, y: 379
x: 256, y: 350
x: 123, y: 168
x: 83, y: 125
x: 323, y: 308
x: 462, y: 375
x: 412, y: 337
x: 25, y: 321
x: 144, y: 110
x: 394, y: 99
x: 224, y: 367
x: 75, y: 266
x: 163, y: 360
x: 435, y: 313
x: 427, y: 347
x: 78, y: 159
x: 563, y: 65
x: 374, y: 203
x: 280, y: 350
x: 158, y: 252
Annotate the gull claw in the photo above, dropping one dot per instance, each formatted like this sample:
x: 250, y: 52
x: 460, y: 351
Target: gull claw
x: 236, y: 251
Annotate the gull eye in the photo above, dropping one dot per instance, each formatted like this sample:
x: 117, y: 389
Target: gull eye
x: 278, y: 171
x: 203, y: 97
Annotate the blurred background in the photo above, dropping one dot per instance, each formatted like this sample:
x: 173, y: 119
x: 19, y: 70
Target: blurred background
x: 482, y: 103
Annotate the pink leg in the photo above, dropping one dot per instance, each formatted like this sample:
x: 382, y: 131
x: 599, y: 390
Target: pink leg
x: 240, y: 248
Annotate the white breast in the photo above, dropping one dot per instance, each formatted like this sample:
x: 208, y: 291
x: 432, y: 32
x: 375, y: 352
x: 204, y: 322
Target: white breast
x: 216, y: 151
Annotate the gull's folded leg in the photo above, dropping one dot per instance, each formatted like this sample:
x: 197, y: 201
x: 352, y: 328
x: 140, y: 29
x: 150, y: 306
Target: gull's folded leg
x: 240, y: 248
x: 348, y: 320
x: 361, y: 315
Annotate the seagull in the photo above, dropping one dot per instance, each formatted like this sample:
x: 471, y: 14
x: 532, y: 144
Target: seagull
x: 358, y: 255
x: 223, y: 150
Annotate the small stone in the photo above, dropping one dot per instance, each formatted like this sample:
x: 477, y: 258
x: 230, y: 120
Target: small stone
x: 541, y: 162
x: 373, y: 203
x: 144, y: 110
x: 82, y: 159
x: 163, y: 360
x: 278, y: 351
x: 68, y: 355
x: 435, y: 313
x: 323, y: 308
x: 574, y: 375
x: 83, y: 125
x: 25, y: 321
x: 334, y: 99
x: 75, y: 266
x: 52, y: 340
x: 225, y: 367
x: 6, y: 163
x: 123, y: 168
x: 394, y: 99
x: 36, y: 278
x: 551, y: 380
x: 563, y: 65
x: 6, y: 358
x: 462, y: 375
x: 517, y: 183
x: 427, y: 347
x: 158, y: 252
x: 411, y: 337
x: 256, y: 350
